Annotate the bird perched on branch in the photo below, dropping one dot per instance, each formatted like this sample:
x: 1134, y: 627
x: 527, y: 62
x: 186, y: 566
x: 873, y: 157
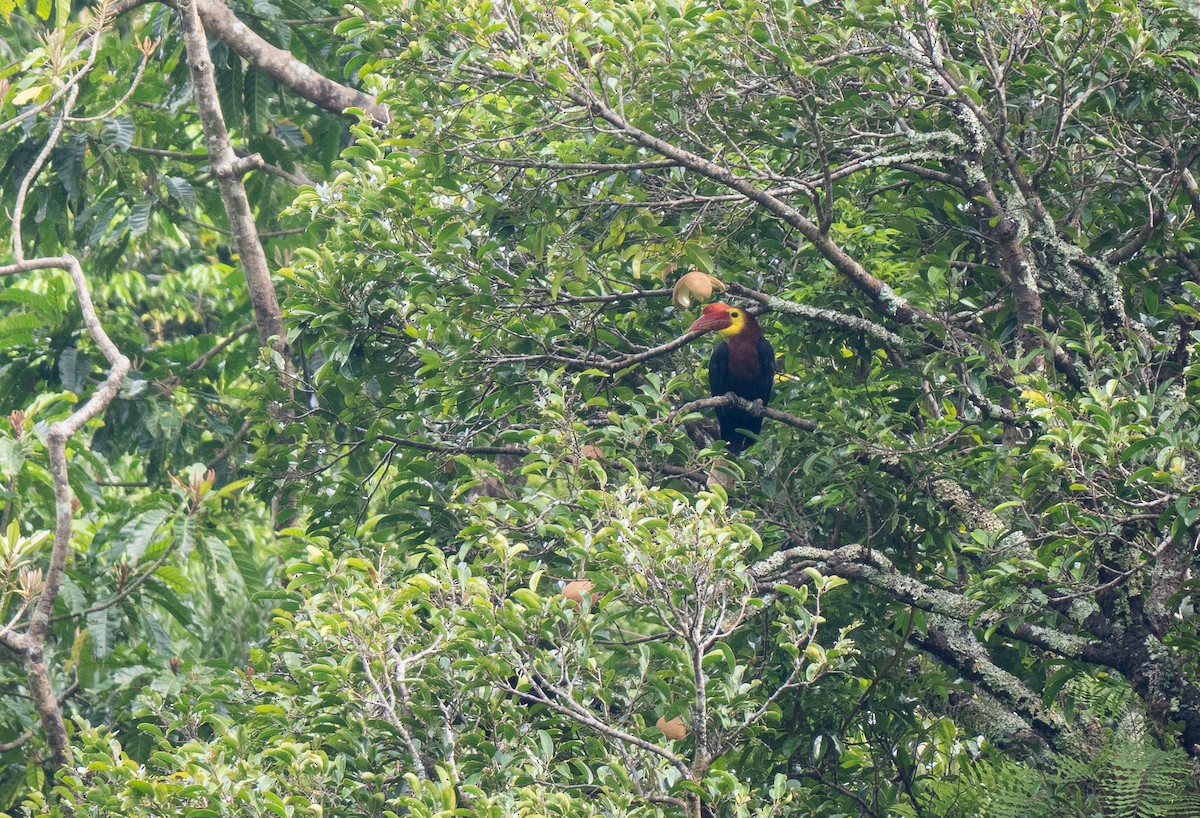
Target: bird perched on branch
x: 744, y: 364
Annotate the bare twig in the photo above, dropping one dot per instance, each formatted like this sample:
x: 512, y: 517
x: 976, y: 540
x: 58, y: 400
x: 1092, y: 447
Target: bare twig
x: 17, y: 742
x: 606, y: 365
x: 119, y: 104
x: 220, y: 345
x: 233, y: 442
x: 450, y: 448
x: 598, y: 167
x: 129, y: 588
x: 552, y: 696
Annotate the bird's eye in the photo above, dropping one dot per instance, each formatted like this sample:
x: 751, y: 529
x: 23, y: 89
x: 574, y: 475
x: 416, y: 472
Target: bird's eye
x: 733, y: 314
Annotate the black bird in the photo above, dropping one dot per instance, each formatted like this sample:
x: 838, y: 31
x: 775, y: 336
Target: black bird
x: 744, y: 364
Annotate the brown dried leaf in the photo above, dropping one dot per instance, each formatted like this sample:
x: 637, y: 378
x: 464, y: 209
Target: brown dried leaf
x: 695, y: 284
x: 673, y: 729
x: 576, y: 589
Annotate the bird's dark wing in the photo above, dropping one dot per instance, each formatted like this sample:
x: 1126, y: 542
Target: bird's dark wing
x: 718, y: 370
x: 766, y: 371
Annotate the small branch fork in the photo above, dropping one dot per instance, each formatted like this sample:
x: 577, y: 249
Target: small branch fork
x: 30, y: 645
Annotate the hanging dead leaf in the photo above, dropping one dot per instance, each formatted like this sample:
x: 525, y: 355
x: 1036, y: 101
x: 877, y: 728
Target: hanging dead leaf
x: 718, y: 475
x: 695, y: 284
x: 576, y: 589
x: 673, y: 729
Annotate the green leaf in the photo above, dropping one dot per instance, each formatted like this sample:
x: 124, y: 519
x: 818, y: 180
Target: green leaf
x: 139, y: 219
x: 140, y: 532
x: 700, y: 257
x: 11, y: 457
x: 17, y: 329
x: 181, y: 191
x: 258, y: 88
x: 73, y: 369
x: 97, y: 625
x: 119, y: 132
x: 230, y: 91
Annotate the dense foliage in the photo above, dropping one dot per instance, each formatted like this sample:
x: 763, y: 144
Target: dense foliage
x: 463, y: 542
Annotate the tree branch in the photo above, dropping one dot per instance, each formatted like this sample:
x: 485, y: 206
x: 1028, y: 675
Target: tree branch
x: 856, y: 562
x: 449, y: 448
x: 280, y: 65
x: 597, y: 167
x: 955, y: 644
x: 831, y: 317
x: 885, y: 298
x: 755, y: 408
x: 31, y: 644
x: 578, y: 713
x: 606, y: 365
x: 35, y: 168
x: 277, y: 63
x: 224, y: 164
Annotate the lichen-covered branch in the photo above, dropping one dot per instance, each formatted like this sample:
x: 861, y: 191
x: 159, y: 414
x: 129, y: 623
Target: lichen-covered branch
x: 981, y: 711
x: 955, y: 644
x: 857, y: 562
x: 853, y: 323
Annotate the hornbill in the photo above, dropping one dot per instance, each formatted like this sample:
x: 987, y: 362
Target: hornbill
x: 744, y: 364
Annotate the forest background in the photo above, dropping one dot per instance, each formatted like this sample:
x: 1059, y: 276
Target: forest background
x: 342, y: 343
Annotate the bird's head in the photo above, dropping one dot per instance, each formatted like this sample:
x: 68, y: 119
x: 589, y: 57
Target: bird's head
x: 722, y: 318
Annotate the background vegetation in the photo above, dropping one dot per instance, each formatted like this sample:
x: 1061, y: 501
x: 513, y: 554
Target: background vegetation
x: 357, y: 461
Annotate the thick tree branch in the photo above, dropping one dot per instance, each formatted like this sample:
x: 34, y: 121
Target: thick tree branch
x: 887, y: 300
x: 224, y: 164
x: 856, y: 562
x: 281, y: 66
x: 832, y: 317
x: 1006, y: 226
x: 955, y: 644
x: 1134, y: 652
x: 277, y: 63
x: 981, y: 711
